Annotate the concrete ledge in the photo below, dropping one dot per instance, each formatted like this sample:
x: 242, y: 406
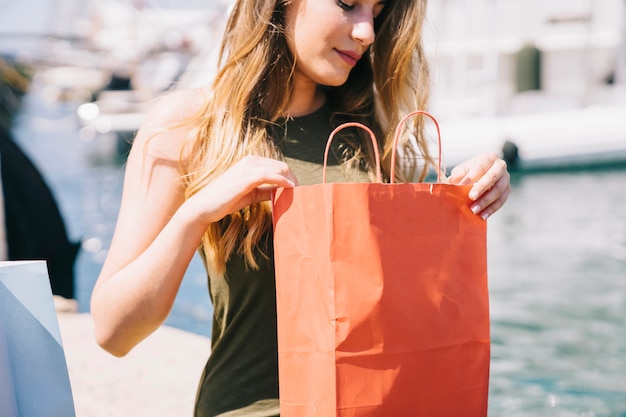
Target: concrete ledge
x: 158, y: 378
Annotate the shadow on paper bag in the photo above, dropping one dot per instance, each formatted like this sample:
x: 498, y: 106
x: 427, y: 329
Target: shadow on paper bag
x: 34, y: 380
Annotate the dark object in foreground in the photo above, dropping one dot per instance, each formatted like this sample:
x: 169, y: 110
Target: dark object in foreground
x: 34, y: 226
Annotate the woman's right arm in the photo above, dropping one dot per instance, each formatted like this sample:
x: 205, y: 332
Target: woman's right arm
x: 158, y: 231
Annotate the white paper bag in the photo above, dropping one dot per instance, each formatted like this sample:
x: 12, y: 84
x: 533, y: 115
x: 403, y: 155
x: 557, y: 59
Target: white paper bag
x: 34, y: 380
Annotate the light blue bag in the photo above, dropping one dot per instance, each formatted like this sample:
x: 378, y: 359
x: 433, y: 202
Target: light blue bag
x: 34, y: 380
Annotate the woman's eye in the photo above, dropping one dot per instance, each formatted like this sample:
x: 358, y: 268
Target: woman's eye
x: 379, y: 9
x: 344, y: 6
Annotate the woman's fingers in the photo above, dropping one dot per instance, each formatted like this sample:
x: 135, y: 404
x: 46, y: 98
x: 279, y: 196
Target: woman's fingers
x: 259, y: 176
x: 493, y: 198
x: 247, y: 182
x: 491, y: 182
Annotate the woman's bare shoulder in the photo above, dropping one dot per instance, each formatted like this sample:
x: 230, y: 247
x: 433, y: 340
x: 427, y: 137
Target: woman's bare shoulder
x: 177, y: 106
x: 169, y: 122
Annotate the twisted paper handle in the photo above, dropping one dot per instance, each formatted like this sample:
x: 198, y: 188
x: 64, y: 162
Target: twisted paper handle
x: 379, y: 177
x: 397, y: 136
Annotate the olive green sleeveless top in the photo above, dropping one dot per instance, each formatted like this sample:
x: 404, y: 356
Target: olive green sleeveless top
x: 241, y: 375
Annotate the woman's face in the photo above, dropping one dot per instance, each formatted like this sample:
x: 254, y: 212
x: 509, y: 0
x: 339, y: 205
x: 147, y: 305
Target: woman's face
x: 328, y: 37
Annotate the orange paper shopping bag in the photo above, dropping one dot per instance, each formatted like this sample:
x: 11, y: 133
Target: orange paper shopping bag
x: 382, y: 300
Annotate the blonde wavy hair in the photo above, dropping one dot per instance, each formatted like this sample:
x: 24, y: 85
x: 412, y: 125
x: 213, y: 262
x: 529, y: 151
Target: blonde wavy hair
x: 252, y: 90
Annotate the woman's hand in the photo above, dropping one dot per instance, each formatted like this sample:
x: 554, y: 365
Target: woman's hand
x: 249, y: 181
x: 490, y: 179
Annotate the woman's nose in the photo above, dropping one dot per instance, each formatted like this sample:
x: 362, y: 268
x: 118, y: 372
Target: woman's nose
x: 363, y: 29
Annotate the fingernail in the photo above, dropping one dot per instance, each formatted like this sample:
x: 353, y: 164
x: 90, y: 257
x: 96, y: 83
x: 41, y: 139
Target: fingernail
x: 475, y: 209
x: 485, y: 216
x: 473, y: 195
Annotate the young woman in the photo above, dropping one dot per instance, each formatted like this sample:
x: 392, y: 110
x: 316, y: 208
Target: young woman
x: 203, y: 164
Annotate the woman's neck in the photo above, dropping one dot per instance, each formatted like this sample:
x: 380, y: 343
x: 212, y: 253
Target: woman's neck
x: 305, y: 100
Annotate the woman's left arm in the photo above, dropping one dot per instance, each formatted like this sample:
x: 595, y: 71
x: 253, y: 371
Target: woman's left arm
x: 490, y: 179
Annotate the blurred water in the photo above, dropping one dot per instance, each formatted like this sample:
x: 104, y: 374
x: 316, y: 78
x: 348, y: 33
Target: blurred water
x: 557, y: 259
x: 557, y: 265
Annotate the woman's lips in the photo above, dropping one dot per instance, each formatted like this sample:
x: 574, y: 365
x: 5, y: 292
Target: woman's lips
x: 349, y: 57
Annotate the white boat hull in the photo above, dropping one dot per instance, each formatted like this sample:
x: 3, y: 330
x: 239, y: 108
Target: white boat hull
x: 553, y: 140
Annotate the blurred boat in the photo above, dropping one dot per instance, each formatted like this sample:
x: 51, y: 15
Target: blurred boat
x: 185, y: 58
x: 72, y: 83
x: 593, y: 136
x: 87, y: 47
x: 543, y: 85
